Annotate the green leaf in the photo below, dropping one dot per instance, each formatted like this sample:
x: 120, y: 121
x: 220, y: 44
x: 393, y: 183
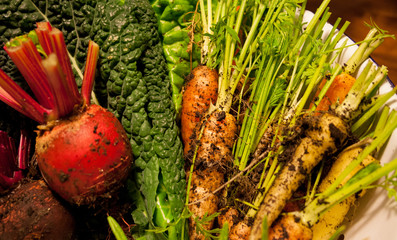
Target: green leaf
x: 233, y: 34
x: 116, y: 229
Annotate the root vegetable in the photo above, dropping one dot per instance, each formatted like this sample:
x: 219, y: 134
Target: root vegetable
x: 289, y: 179
x: 96, y: 159
x: 354, y: 170
x: 289, y: 228
x: 32, y: 211
x: 300, y: 223
x: 332, y: 219
x: 200, y: 91
x: 203, y: 183
x: 82, y: 150
x: 230, y: 217
x: 337, y: 92
x: 327, y: 133
x: 240, y: 231
x: 213, y: 154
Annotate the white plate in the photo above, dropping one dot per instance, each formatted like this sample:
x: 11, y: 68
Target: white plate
x: 375, y: 217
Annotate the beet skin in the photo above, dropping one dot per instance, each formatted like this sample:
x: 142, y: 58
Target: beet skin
x: 85, y: 157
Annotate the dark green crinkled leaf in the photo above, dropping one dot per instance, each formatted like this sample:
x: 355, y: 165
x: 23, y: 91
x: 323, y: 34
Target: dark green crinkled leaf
x: 139, y: 94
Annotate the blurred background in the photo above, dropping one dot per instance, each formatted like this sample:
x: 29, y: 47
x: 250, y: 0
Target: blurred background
x: 359, y: 12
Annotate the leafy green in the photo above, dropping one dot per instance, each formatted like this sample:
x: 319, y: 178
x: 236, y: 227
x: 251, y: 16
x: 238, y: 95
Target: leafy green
x: 175, y: 26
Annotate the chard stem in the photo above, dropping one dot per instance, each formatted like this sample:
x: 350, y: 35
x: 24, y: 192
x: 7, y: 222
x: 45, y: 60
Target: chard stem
x: 64, y: 103
x: 28, y: 61
x: 24, y: 150
x: 43, y: 34
x: 14, y: 96
x: 59, y: 48
x: 89, y: 72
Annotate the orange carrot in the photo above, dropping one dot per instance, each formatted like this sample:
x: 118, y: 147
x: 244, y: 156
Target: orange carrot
x: 337, y: 92
x: 213, y: 154
x: 287, y: 227
x: 200, y: 91
x: 240, y: 231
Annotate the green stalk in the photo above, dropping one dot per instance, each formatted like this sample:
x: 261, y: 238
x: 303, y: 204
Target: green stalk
x: 322, y: 203
x: 364, y: 84
x: 377, y: 141
x: 227, y: 83
x: 368, y: 45
x: 314, y: 80
x: 377, y: 104
x: 116, y: 229
x: 258, y: 108
x: 309, y: 27
x: 252, y: 34
x: 384, y: 118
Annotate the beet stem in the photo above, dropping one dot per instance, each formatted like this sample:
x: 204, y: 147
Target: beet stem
x: 28, y: 61
x: 64, y: 101
x: 89, y: 73
x: 59, y: 47
x: 14, y: 96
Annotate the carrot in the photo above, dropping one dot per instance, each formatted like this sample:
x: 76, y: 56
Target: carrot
x: 337, y: 91
x: 240, y: 231
x: 341, y: 85
x: 200, y: 91
x: 299, y: 225
x: 332, y: 220
x: 213, y: 155
x: 230, y: 217
x: 310, y: 151
x: 327, y: 133
x: 289, y: 228
x: 353, y: 171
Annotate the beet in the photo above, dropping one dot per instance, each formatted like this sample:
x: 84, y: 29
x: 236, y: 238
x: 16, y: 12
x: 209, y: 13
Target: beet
x: 86, y: 156
x: 82, y: 149
x: 32, y: 211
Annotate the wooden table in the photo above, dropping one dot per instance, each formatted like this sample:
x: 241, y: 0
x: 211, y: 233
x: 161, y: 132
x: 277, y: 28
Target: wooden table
x: 382, y: 12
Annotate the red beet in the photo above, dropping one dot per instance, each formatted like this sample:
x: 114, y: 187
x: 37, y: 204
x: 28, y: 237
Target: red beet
x: 86, y: 156
x: 32, y: 211
x: 82, y: 150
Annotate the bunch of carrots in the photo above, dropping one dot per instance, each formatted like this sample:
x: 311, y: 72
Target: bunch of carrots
x: 270, y: 114
x: 280, y: 137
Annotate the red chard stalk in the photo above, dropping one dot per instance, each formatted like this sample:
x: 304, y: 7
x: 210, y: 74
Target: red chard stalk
x: 12, y: 160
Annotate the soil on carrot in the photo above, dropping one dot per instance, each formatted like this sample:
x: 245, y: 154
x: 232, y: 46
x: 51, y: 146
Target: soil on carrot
x: 244, y: 188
